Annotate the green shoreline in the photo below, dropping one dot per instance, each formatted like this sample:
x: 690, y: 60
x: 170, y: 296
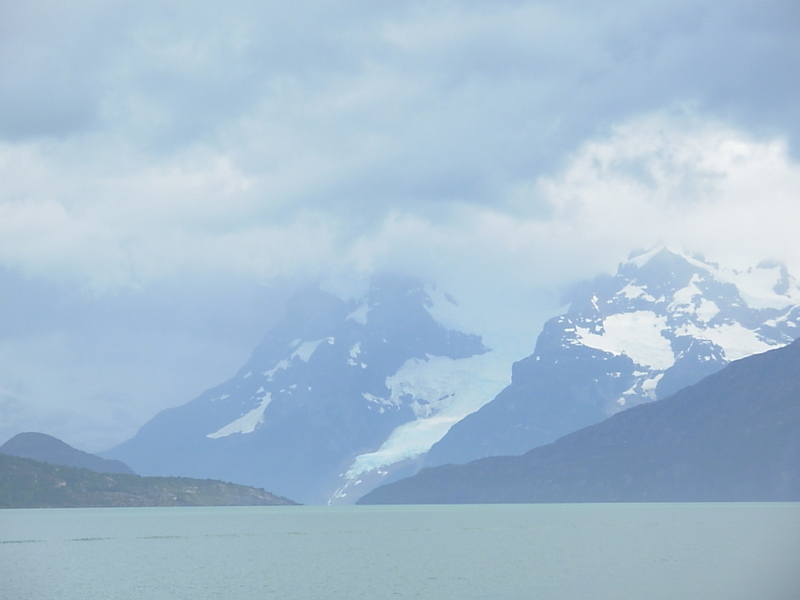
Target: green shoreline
x: 27, y: 483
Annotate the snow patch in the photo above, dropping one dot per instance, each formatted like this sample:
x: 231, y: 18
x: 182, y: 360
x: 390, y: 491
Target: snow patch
x: 648, y: 386
x: 632, y: 292
x: 642, y: 390
x: 736, y: 341
x: 307, y: 349
x: 378, y: 400
x: 757, y: 287
x: 354, y: 353
x: 690, y: 300
x: 302, y: 351
x: 707, y: 310
x: 360, y: 314
x: 248, y: 422
x: 637, y: 335
x: 281, y: 366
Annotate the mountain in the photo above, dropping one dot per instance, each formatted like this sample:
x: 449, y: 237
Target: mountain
x: 46, y: 448
x: 664, y: 321
x: 27, y: 483
x: 337, y: 398
x: 343, y: 396
x: 735, y: 436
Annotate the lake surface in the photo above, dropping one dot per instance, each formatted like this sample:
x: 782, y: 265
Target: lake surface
x: 569, y: 552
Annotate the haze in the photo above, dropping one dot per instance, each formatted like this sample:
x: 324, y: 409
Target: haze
x: 172, y: 173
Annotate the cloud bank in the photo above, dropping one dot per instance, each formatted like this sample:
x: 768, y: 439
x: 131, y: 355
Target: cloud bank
x: 503, y: 150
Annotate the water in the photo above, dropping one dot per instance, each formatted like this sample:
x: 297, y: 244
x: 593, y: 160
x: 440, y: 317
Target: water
x: 571, y: 552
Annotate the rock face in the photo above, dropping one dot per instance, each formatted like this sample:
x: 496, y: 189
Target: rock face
x: 735, y: 436
x: 310, y: 413
x: 46, y: 448
x: 663, y: 322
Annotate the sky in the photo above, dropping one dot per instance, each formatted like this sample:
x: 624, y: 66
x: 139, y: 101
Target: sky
x: 171, y: 172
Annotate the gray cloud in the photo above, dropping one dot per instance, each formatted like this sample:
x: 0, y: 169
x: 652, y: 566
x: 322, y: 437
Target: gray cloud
x: 425, y: 96
x: 162, y: 163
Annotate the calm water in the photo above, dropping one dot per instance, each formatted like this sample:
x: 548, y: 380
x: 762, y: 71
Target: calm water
x: 570, y: 552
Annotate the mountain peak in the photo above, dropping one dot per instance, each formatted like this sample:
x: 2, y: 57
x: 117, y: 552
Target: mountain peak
x: 767, y: 285
x: 338, y: 394
x: 665, y: 320
x: 661, y: 298
x: 641, y: 257
x: 46, y: 448
x: 663, y: 254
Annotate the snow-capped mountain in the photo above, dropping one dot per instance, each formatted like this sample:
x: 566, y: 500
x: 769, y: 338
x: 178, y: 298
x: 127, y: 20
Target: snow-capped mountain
x: 339, y: 396
x: 663, y: 322
x: 343, y: 396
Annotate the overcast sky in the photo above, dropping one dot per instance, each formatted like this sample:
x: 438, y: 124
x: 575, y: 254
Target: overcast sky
x: 171, y: 171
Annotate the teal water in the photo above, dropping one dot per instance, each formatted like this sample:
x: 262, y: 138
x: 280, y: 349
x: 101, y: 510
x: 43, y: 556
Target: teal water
x: 570, y: 552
